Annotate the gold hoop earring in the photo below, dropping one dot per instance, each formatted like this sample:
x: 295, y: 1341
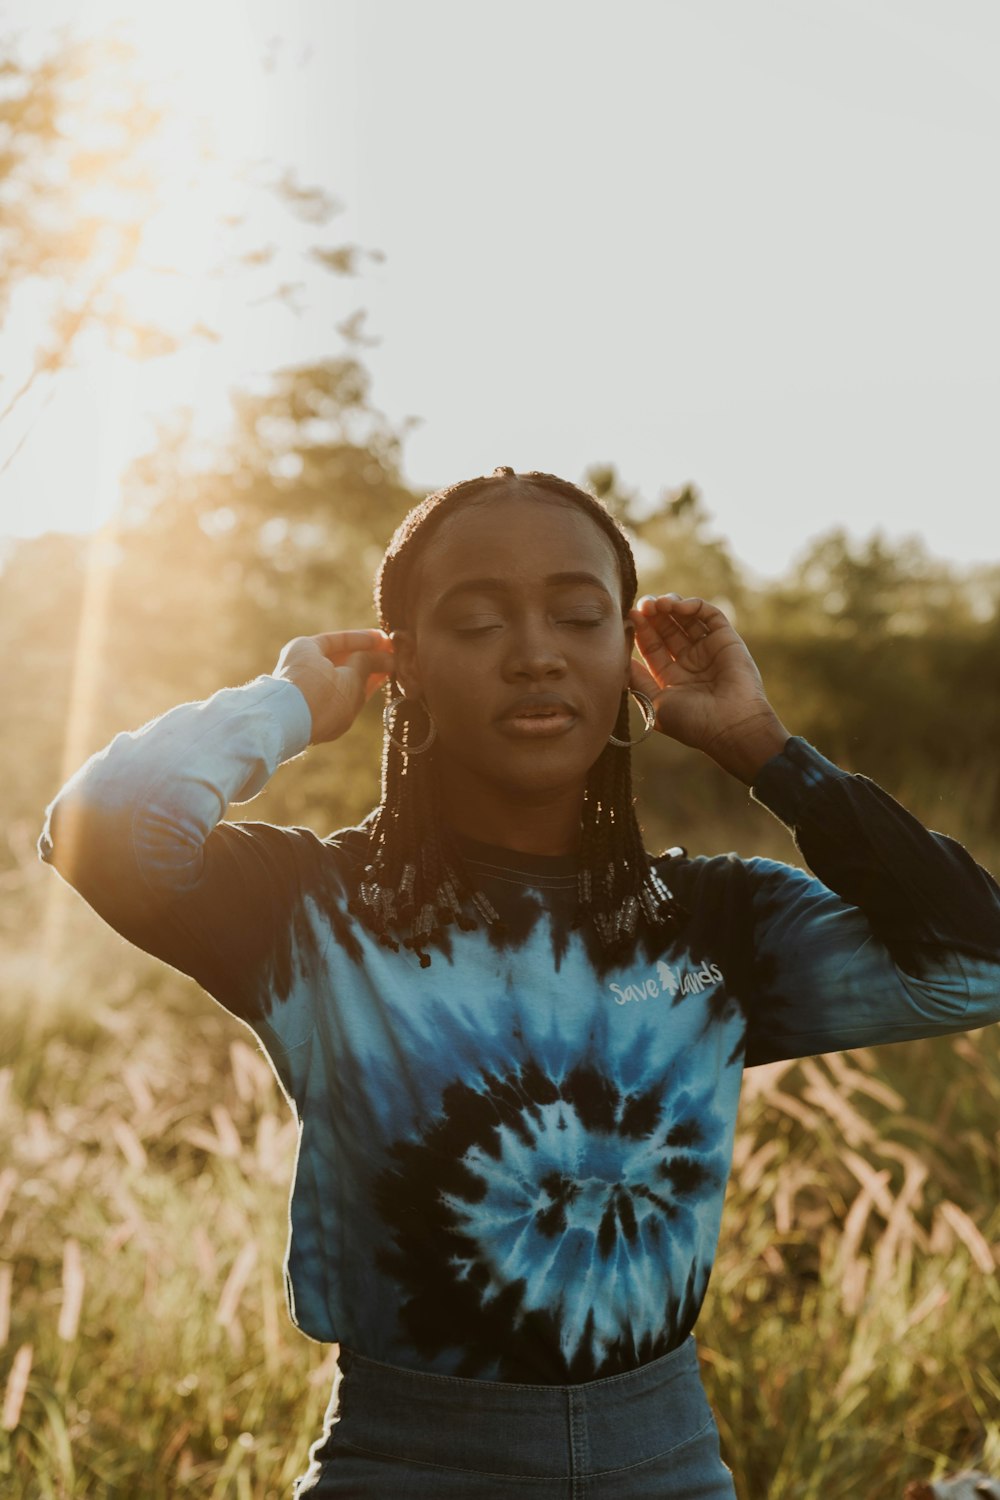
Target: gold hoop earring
x: 388, y: 725
x: 648, y: 714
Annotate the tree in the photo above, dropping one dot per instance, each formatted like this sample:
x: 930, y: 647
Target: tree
x: 83, y: 187
x: 871, y: 588
x: 675, y: 545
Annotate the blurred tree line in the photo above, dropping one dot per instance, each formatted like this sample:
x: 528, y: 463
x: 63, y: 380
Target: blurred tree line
x: 881, y: 655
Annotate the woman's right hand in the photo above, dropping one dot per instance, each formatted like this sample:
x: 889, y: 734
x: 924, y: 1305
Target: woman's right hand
x: 336, y: 673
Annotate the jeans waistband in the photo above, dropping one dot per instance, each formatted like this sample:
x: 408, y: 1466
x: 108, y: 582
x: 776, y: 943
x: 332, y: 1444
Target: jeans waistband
x: 540, y: 1431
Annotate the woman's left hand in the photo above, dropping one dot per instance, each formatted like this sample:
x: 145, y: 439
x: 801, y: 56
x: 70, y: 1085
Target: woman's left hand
x: 704, y: 684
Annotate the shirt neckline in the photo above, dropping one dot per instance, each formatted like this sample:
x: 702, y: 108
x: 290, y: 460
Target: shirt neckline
x: 516, y: 861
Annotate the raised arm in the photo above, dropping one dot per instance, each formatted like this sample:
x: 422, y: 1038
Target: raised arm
x: 138, y: 831
x: 898, y: 937
x: 896, y: 933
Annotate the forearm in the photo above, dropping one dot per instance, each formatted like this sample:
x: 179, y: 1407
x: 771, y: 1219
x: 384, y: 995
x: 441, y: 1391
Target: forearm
x: 143, y: 807
x: 913, y: 884
x: 895, y: 935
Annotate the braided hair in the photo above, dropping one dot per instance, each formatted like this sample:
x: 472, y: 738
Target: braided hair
x: 415, y: 881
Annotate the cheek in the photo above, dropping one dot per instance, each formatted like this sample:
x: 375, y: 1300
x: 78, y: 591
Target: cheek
x: 452, y: 692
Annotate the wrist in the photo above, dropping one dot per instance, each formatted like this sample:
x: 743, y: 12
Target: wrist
x: 746, y: 748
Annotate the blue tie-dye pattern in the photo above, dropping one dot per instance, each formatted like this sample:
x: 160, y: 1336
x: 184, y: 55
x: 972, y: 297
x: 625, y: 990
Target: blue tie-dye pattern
x: 470, y: 1026
x: 590, y: 1177
x: 511, y: 1165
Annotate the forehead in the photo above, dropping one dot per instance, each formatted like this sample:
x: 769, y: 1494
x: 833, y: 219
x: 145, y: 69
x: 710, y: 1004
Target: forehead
x: 520, y: 539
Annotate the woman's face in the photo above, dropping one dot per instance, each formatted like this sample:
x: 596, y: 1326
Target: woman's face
x: 517, y: 645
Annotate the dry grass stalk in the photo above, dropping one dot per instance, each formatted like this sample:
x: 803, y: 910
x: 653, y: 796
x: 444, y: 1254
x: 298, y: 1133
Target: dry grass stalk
x: 750, y: 1170
x: 851, y: 1078
x: 129, y: 1143
x: 270, y: 1318
x: 793, y: 1175
x: 876, y: 1183
x: 935, y: 1298
x: 901, y: 1229
x: 8, y: 1182
x: 73, y: 1281
x: 850, y: 1266
x: 175, y: 1444
x: 856, y: 1129
x: 230, y: 1140
x: 251, y: 1074
x: 236, y: 1282
x: 205, y: 1256
x: 972, y: 1237
x: 6, y: 1282
x: 789, y: 1105
x: 760, y: 1081
x: 275, y: 1146
x: 226, y: 1141
x: 17, y: 1385
x: 328, y: 1370
x: 137, y: 1083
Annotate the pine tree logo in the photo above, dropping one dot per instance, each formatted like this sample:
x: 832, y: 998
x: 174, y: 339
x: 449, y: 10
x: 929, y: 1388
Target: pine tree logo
x: 669, y: 983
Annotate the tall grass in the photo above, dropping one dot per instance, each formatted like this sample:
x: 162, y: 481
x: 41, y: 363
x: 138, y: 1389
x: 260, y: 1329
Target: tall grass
x: 850, y: 1337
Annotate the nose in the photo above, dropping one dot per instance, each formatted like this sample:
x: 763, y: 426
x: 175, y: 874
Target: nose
x: 533, y: 652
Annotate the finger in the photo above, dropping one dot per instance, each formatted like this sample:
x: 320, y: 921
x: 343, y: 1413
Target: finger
x: 691, y: 614
x: 366, y: 664
x: 336, y: 644
x: 659, y: 633
x: 659, y: 626
x: 655, y: 653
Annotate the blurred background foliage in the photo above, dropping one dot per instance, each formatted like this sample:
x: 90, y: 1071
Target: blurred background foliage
x: 883, y: 656
x: 145, y: 1153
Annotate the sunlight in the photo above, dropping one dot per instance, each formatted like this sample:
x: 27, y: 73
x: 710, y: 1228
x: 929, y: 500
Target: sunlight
x: 191, y: 162
x: 213, y: 120
x: 159, y: 145
x: 91, y: 639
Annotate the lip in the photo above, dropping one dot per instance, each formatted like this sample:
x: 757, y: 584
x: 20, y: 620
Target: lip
x: 537, y: 703
x: 538, y: 716
x: 537, y: 726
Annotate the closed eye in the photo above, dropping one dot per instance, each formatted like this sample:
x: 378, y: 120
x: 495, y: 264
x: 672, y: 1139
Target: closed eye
x: 483, y: 629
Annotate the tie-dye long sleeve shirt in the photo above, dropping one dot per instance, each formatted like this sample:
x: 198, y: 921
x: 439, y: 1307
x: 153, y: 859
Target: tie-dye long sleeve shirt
x: 512, y: 1163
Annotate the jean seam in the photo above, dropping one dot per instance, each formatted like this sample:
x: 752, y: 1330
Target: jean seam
x: 421, y: 1463
x: 602, y: 1383
x: 345, y: 1443
x: 665, y: 1453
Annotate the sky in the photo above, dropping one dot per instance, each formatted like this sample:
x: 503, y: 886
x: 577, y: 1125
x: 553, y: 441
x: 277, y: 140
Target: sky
x: 748, y: 247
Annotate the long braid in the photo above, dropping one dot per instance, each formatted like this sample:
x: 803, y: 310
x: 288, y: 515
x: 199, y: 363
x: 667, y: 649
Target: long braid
x: 416, y: 881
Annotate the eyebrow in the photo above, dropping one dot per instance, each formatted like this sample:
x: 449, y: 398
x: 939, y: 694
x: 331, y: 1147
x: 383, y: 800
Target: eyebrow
x: 501, y: 586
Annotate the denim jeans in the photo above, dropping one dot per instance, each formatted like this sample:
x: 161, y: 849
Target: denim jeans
x: 646, y: 1435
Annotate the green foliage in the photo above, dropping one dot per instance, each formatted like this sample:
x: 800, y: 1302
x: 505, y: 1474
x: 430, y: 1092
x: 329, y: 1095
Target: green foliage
x: 676, y: 548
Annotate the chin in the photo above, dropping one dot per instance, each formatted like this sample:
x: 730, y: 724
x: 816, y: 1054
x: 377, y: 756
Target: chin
x: 545, y: 772
x: 529, y: 767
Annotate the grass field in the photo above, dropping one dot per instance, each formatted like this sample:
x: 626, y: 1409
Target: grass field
x: 850, y: 1337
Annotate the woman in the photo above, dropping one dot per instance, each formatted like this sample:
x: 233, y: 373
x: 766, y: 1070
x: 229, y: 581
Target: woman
x: 514, y: 1039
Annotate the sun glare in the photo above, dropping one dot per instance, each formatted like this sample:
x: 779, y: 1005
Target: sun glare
x: 205, y: 79
x: 211, y: 117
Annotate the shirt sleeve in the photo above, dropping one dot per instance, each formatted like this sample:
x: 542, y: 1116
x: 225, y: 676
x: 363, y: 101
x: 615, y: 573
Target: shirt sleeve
x: 895, y: 934
x: 137, y: 831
